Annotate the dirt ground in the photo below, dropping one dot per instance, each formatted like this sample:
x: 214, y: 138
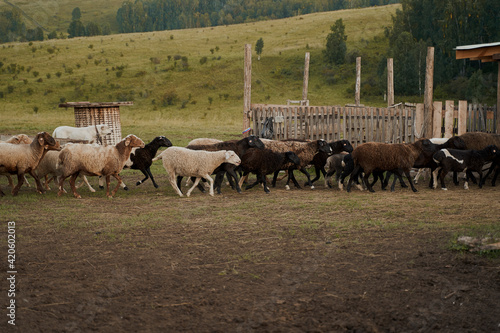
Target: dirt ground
x: 292, y: 261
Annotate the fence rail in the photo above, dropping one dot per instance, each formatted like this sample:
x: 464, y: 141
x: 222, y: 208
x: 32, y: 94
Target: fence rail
x: 359, y: 124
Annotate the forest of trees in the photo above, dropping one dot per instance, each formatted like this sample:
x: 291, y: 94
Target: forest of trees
x: 444, y: 25
x: 153, y: 15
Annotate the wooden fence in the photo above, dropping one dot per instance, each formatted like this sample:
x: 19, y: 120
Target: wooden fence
x: 359, y: 124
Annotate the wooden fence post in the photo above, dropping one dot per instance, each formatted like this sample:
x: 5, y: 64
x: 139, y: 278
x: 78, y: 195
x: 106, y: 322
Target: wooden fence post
x: 247, y: 88
x: 306, y: 77
x: 437, y: 120
x: 498, y: 101
x: 462, y: 117
x: 419, y: 121
x: 428, y: 94
x: 357, y: 98
x: 390, y: 82
x: 448, y: 119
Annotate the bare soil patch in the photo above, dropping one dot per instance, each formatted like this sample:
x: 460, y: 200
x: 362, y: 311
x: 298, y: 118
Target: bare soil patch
x: 290, y: 261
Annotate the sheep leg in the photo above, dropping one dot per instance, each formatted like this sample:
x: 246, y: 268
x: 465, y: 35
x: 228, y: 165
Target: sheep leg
x: 148, y: 170
x: 442, y: 174
x: 328, y: 176
x: 211, y: 181
x: 11, y: 183
x: 497, y: 171
x: 72, y: 181
x: 319, y: 171
x: 354, y: 175
x: 173, y: 182
x: 231, y: 174
x: 242, y: 179
x: 264, y: 182
x: 195, y: 183
x: 490, y: 170
x: 291, y: 177
x: 367, y: 183
x: 146, y: 176
x: 86, y: 182
x: 39, y: 186
x: 275, y: 177
x: 117, y: 187
x: 304, y: 171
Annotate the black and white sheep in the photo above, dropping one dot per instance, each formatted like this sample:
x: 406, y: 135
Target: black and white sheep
x: 23, y: 158
x: 320, y: 159
x: 396, y: 157
x: 425, y: 159
x: 180, y: 161
x: 263, y: 162
x: 462, y: 160
x: 142, y: 158
x: 95, y: 160
x: 239, y: 147
x: 305, y: 150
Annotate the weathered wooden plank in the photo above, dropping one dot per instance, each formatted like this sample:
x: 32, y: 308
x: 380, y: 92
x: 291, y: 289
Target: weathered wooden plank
x: 438, y: 120
x: 448, y: 119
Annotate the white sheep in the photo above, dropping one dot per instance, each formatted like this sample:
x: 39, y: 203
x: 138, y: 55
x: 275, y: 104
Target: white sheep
x: 18, y: 139
x: 180, y: 161
x: 22, y: 158
x: 203, y: 141
x: 95, y: 160
x: 89, y: 133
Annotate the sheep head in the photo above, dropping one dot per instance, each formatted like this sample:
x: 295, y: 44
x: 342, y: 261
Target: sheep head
x: 231, y: 157
x: 324, y: 147
x: 133, y: 141
x: 255, y: 142
x: 46, y: 141
x: 163, y: 141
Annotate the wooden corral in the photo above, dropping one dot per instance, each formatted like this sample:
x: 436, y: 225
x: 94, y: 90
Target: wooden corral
x: 401, y: 123
x: 88, y: 114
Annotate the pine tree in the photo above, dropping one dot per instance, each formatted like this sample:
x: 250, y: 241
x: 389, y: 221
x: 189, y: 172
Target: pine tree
x: 336, y: 47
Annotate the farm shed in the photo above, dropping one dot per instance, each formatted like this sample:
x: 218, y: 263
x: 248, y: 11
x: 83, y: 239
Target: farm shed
x: 88, y: 114
x: 484, y: 53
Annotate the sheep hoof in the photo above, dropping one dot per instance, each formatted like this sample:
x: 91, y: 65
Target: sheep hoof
x: 125, y: 188
x: 101, y: 187
x: 138, y: 183
x: 156, y: 185
x: 312, y: 187
x: 287, y: 187
x: 444, y: 188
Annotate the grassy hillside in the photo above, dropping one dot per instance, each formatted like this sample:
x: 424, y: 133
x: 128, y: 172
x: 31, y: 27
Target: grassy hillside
x: 142, y: 68
x: 56, y: 14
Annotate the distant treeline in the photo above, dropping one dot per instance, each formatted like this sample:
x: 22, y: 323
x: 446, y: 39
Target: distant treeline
x: 154, y: 15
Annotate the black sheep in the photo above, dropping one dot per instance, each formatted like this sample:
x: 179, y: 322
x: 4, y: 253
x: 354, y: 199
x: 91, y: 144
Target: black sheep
x: 142, y: 158
x: 263, y: 162
x: 319, y: 160
x: 460, y: 160
x: 495, y: 166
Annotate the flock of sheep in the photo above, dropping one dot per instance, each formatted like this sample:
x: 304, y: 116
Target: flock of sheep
x: 44, y: 158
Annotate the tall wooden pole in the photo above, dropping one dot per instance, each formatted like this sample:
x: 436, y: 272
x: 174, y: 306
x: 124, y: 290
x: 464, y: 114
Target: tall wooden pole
x: 428, y: 94
x: 390, y: 82
x: 306, y: 77
x: 357, y: 98
x: 247, y: 88
x: 498, y: 100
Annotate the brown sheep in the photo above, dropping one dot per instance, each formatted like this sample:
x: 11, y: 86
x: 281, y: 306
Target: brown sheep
x: 95, y: 160
x: 374, y: 156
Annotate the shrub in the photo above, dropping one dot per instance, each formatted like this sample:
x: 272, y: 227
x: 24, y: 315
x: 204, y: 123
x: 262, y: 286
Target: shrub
x: 58, y: 74
x: 30, y: 91
x: 35, y: 73
x: 119, y: 74
x: 10, y: 89
x: 35, y: 109
x: 169, y: 98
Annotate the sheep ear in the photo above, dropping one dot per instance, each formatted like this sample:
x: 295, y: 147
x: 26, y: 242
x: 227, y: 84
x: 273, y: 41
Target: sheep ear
x: 127, y: 141
x: 227, y: 155
x: 41, y: 141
